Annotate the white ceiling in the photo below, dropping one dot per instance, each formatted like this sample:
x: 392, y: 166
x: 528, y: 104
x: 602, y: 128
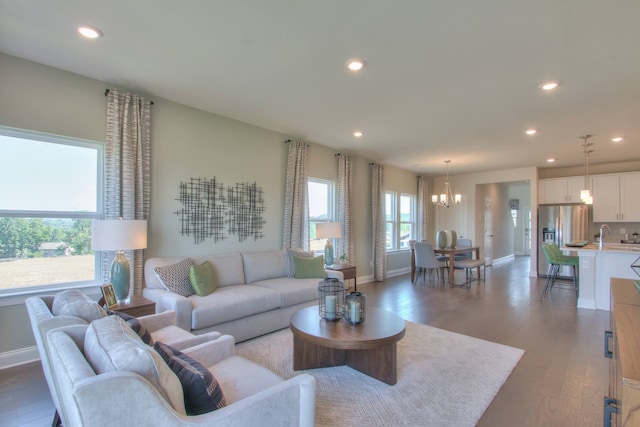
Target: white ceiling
x: 446, y: 79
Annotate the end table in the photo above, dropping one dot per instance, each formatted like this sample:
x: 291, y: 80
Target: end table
x: 136, y: 306
x: 348, y: 271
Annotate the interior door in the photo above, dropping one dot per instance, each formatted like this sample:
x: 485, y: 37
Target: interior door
x: 488, y: 230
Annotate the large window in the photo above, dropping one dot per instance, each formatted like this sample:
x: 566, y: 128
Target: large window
x: 51, y: 190
x: 321, y: 208
x: 391, y: 217
x: 400, y: 220
x: 407, y: 220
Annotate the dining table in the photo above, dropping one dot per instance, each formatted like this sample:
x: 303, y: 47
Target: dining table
x: 451, y: 252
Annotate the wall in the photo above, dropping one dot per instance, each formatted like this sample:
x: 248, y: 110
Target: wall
x: 186, y: 143
x: 471, y: 220
x: 502, y: 225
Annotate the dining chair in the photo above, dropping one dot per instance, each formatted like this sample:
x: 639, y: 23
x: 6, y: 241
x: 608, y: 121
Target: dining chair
x: 463, y: 243
x: 425, y: 259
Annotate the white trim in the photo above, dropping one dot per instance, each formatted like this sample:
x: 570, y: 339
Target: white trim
x: 12, y: 358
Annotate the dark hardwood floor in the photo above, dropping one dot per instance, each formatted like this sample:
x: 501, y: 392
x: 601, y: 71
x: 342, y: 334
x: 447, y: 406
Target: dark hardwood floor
x: 560, y: 381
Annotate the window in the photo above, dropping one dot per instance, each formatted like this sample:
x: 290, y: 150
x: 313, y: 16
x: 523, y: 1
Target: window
x: 390, y: 220
x: 321, y: 209
x: 400, y: 223
x: 52, y: 189
x: 407, y: 220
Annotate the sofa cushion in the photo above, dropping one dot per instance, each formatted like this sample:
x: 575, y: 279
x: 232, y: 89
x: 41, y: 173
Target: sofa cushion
x: 72, y: 302
x: 203, y: 278
x: 254, y: 378
x: 111, y: 345
x: 309, y: 267
x: 135, y: 325
x: 175, y: 277
x: 201, y: 390
x: 228, y: 268
x: 263, y: 265
x: 292, y: 291
x: 229, y: 303
x: 291, y: 263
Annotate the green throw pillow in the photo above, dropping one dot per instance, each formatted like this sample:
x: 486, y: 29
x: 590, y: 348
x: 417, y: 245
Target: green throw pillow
x: 203, y: 278
x: 307, y: 267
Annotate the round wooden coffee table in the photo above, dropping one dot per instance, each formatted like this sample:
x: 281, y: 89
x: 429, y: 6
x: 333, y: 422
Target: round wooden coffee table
x: 369, y: 347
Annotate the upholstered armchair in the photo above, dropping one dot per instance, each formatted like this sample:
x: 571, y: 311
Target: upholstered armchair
x: 92, y: 395
x: 162, y: 327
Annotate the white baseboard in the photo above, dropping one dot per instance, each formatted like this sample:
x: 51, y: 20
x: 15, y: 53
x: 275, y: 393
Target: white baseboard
x: 21, y: 356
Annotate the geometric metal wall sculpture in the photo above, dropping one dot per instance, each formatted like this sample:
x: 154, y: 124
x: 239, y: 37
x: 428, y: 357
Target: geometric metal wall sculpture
x: 211, y: 211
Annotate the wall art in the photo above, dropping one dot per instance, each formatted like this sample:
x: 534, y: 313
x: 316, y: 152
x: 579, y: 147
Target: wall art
x: 212, y: 211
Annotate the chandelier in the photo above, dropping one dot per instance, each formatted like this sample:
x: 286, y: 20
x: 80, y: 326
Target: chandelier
x: 585, y: 194
x: 446, y: 197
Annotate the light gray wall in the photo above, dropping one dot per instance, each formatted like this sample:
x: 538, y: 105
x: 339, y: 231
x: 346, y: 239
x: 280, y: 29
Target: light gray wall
x: 186, y: 143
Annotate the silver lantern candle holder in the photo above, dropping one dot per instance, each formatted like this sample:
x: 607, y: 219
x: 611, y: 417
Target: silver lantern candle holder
x: 331, y: 299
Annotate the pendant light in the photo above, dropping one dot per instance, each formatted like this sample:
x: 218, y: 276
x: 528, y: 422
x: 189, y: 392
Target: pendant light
x: 585, y: 194
x: 447, y: 196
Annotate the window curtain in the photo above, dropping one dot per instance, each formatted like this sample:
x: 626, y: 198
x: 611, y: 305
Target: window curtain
x: 423, y: 210
x: 344, y: 204
x: 296, y: 199
x: 378, y: 221
x: 127, y: 170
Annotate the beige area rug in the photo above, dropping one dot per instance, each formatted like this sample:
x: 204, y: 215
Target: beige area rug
x: 444, y: 379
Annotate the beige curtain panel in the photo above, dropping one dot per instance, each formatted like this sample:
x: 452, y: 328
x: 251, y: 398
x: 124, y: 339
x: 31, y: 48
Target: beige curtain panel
x: 127, y: 170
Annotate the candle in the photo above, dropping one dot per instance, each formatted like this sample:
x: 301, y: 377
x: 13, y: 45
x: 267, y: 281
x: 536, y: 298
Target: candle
x: 354, y: 310
x: 330, y: 307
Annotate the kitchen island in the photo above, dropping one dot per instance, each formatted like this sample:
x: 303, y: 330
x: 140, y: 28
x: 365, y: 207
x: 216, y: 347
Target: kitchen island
x: 597, y: 267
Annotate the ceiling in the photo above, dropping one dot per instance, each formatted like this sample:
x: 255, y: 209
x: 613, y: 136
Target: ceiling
x: 445, y: 80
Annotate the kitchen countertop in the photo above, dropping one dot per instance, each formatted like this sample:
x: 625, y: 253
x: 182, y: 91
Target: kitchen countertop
x: 609, y: 247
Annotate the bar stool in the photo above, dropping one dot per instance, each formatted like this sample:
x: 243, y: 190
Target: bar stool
x: 556, y: 259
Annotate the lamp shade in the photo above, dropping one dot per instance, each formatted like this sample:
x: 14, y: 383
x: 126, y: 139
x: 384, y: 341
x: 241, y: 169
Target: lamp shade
x: 328, y: 230
x: 118, y: 234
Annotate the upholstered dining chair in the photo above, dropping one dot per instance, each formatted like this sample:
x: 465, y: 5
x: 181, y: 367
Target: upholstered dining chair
x: 425, y: 259
x: 463, y: 243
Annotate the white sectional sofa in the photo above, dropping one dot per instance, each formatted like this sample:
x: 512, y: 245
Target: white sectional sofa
x: 256, y: 293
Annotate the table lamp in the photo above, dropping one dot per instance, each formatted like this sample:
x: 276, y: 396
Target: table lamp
x: 119, y: 235
x: 328, y: 230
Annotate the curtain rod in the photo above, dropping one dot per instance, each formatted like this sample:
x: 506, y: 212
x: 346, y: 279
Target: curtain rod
x: 106, y: 92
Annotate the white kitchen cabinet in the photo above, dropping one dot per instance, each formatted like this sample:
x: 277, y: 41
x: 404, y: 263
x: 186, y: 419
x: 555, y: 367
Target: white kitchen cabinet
x: 615, y: 197
x: 560, y: 190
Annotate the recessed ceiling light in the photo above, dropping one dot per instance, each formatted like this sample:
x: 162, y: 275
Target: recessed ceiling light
x: 90, y: 32
x: 551, y: 160
x: 531, y: 131
x: 617, y: 139
x: 357, y: 134
x: 356, y: 64
x: 549, y: 85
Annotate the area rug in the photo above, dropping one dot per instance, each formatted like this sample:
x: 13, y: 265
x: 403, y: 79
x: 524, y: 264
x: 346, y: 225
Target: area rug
x: 444, y: 379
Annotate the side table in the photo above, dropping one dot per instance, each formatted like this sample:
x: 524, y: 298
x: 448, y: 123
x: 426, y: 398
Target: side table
x: 136, y: 306
x: 348, y: 271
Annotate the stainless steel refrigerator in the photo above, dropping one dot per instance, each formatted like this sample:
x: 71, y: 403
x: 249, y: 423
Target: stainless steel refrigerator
x: 561, y: 224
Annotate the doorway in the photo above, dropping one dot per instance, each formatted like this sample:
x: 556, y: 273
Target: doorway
x: 488, y: 231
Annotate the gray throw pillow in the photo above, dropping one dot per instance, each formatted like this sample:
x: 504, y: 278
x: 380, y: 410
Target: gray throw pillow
x: 175, y: 277
x: 72, y: 302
